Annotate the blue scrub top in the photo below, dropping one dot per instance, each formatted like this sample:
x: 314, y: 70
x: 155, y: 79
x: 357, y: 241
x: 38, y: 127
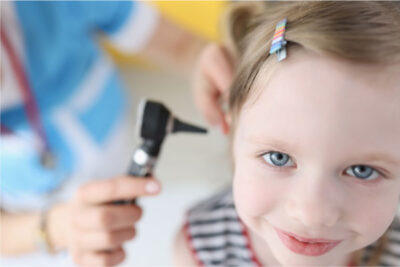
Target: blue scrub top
x: 60, y: 53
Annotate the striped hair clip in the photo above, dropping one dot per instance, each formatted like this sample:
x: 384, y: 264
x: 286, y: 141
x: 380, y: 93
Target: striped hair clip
x: 278, y: 45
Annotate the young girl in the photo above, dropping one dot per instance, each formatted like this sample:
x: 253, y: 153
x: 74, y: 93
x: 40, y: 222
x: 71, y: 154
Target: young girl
x: 315, y: 141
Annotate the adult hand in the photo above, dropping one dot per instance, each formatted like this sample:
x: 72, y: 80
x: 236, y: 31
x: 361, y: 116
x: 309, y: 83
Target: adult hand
x: 95, y: 229
x: 212, y: 79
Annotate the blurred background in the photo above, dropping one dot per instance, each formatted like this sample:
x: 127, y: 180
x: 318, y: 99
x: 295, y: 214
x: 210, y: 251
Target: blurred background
x: 190, y: 167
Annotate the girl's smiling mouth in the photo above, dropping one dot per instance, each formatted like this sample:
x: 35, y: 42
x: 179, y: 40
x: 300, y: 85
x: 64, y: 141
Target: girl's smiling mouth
x: 306, y: 246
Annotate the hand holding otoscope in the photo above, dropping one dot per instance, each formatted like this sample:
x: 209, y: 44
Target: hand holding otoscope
x: 154, y: 123
x: 90, y: 226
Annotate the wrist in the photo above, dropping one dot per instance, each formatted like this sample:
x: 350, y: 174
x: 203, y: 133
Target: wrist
x: 57, y: 223
x: 42, y: 240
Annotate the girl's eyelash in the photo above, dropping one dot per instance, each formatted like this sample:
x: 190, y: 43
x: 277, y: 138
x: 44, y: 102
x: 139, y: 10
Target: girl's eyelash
x: 380, y: 172
x: 261, y: 156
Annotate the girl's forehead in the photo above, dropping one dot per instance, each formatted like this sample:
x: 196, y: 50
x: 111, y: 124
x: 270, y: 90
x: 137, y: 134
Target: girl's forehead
x: 322, y: 74
x: 319, y: 99
x: 321, y: 83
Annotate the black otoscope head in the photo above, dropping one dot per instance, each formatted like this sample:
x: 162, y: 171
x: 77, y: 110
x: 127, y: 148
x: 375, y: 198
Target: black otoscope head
x: 155, y: 121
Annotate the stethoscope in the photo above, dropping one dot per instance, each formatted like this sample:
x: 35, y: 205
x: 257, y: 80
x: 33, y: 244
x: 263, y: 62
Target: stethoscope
x: 47, y: 157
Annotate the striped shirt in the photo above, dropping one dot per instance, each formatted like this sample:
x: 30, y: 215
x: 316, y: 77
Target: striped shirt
x: 217, y: 236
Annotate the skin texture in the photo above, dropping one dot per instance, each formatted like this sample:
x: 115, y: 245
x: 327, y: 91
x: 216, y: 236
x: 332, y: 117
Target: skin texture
x: 327, y: 115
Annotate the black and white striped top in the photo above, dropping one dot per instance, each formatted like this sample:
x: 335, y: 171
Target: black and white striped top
x: 217, y: 237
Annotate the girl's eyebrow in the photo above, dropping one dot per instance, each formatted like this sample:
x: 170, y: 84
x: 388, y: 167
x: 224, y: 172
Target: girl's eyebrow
x: 275, y: 143
x: 290, y: 148
x: 381, y: 157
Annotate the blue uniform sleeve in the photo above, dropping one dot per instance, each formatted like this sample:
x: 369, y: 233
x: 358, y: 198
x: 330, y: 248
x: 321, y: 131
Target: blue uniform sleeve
x: 128, y: 24
x: 107, y: 16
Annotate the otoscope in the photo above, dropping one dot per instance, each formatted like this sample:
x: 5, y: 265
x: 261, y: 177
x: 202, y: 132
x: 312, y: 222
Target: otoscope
x: 154, y: 123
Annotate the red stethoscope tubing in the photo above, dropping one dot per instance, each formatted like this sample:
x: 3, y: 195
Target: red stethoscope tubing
x: 30, y: 105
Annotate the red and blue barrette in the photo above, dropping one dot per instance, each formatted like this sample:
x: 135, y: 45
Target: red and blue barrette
x: 278, y: 45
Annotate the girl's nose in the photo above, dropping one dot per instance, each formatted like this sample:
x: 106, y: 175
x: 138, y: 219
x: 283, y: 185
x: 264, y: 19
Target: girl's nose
x: 314, y: 202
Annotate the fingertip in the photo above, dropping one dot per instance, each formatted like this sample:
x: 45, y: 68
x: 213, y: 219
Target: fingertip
x: 153, y: 187
x: 117, y: 257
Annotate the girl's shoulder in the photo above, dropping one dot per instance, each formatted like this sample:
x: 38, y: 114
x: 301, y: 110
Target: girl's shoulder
x: 187, y: 251
x: 215, y: 235
x: 222, y: 200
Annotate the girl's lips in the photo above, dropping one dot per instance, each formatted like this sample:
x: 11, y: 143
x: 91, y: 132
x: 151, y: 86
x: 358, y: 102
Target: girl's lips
x: 306, y: 246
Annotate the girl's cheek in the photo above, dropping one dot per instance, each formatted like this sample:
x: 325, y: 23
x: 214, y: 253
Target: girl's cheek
x: 255, y: 192
x: 372, y: 216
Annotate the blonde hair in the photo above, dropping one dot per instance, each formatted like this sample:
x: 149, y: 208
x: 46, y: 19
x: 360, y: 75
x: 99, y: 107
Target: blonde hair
x: 359, y: 32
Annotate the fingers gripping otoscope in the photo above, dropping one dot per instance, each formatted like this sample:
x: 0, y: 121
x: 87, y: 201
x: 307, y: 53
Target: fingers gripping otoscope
x: 154, y: 123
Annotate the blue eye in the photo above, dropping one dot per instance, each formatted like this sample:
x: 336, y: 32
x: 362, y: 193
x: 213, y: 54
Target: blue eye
x: 277, y: 159
x: 363, y: 172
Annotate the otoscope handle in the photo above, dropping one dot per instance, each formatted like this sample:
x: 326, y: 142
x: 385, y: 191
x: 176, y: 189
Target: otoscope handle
x: 141, y: 165
x: 138, y: 171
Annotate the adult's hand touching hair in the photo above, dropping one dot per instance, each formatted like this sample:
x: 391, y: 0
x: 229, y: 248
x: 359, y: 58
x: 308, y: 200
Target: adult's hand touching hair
x: 215, y: 68
x: 212, y: 78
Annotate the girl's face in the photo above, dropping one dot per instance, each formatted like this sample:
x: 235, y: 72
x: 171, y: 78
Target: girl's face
x: 317, y: 154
